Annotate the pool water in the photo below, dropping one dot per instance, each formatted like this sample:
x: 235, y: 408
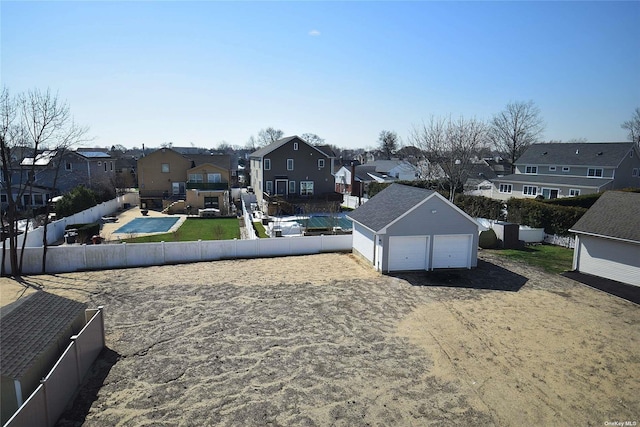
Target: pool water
x: 148, y: 225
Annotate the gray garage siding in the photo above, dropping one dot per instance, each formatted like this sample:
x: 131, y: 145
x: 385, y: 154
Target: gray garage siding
x: 363, y: 241
x: 422, y: 221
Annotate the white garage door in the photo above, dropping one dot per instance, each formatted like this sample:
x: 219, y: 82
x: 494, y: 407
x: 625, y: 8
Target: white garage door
x: 452, y: 251
x: 408, y: 253
x: 610, y: 259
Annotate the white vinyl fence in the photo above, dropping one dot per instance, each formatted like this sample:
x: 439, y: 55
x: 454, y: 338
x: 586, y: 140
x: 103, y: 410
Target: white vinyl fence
x: 48, y: 401
x: 55, y: 229
x: 70, y: 258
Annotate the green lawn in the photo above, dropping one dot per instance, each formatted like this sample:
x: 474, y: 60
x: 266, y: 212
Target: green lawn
x: 197, y: 229
x: 262, y: 234
x: 553, y: 259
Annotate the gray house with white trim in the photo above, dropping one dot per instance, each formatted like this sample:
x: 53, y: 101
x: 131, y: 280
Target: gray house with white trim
x: 405, y: 228
x: 608, y: 238
x: 556, y: 170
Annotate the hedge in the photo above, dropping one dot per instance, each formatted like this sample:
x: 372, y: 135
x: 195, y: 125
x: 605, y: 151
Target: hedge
x: 554, y: 219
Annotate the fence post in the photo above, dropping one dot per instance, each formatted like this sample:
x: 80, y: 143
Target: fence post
x: 200, y: 249
x: 101, y: 311
x: 74, y: 341
x: 43, y: 381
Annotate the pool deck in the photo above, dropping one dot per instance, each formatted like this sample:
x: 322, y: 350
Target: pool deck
x: 108, y: 233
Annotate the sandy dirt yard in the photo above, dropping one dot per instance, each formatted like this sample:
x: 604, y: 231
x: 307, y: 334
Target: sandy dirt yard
x: 324, y: 340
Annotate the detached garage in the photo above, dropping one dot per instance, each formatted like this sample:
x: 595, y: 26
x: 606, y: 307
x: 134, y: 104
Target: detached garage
x: 407, y: 228
x: 608, y: 238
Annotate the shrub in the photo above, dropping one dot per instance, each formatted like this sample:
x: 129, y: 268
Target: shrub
x: 77, y: 200
x: 488, y: 239
x: 554, y: 219
x: 479, y: 206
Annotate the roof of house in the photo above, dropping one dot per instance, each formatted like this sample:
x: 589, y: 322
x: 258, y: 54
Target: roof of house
x: 324, y: 149
x: 32, y: 327
x: 578, y: 181
x: 393, y: 202
x: 93, y: 154
x: 616, y: 214
x: 269, y: 148
x: 221, y: 160
x: 576, y: 154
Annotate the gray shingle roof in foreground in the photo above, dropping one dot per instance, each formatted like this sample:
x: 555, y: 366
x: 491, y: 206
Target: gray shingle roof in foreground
x: 31, y: 328
x: 388, y: 205
x: 615, y: 214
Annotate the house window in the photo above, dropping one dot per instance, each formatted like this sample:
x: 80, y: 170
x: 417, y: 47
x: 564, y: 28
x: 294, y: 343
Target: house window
x: 67, y: 166
x: 267, y: 164
x: 268, y: 187
x: 37, y: 199
x: 111, y: 165
x: 552, y: 168
x: 165, y: 168
x: 306, y: 188
x: 529, y: 190
x: 566, y: 169
x: 289, y: 164
x: 196, y: 177
x: 214, y: 177
x: 531, y: 169
x: 574, y: 192
x: 295, y: 146
x: 105, y: 166
x: 26, y: 199
x: 292, y: 187
x: 597, y: 172
x: 3, y: 198
x: 320, y: 163
x: 634, y: 172
x: 505, y: 188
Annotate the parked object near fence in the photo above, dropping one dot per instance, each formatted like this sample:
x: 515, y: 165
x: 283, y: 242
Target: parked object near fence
x: 42, y: 370
x: 56, y: 229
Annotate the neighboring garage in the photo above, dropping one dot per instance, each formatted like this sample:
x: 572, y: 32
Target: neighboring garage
x: 608, y: 238
x: 407, y: 228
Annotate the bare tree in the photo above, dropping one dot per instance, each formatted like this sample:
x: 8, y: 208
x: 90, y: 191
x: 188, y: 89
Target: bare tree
x: 31, y: 123
x: 268, y: 136
x: 633, y: 126
x: 515, y: 128
x: 312, y: 138
x: 389, y: 143
x: 451, y: 146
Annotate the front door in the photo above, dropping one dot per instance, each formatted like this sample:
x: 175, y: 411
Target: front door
x: 281, y: 187
x: 550, y: 193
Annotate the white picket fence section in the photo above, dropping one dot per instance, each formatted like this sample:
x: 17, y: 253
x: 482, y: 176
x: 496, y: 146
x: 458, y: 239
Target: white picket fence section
x: 55, y: 229
x: 70, y: 258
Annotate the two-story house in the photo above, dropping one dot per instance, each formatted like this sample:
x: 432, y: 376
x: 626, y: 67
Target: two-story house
x: 53, y: 173
x: 199, y: 181
x: 290, y: 173
x: 570, y: 169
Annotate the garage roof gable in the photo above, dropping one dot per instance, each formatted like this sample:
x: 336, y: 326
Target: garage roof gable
x: 394, y: 203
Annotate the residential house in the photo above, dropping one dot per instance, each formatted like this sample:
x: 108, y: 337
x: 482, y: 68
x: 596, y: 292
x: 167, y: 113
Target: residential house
x: 608, y: 238
x: 571, y: 169
x: 382, y: 171
x: 190, y: 182
x: 409, y: 228
x: 53, y: 172
x: 290, y: 175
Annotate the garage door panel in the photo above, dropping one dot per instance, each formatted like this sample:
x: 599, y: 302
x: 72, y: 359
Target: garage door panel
x: 611, y: 260
x: 452, y: 251
x: 408, y: 253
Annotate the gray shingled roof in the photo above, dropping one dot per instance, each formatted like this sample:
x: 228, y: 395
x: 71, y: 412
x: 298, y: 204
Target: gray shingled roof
x: 577, y: 181
x: 388, y: 205
x: 615, y: 214
x: 575, y: 154
x: 31, y: 328
x: 269, y: 148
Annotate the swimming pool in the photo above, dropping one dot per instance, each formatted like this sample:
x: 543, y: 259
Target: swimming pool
x: 149, y: 225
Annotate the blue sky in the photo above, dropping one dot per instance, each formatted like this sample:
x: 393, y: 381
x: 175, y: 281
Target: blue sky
x: 204, y: 72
